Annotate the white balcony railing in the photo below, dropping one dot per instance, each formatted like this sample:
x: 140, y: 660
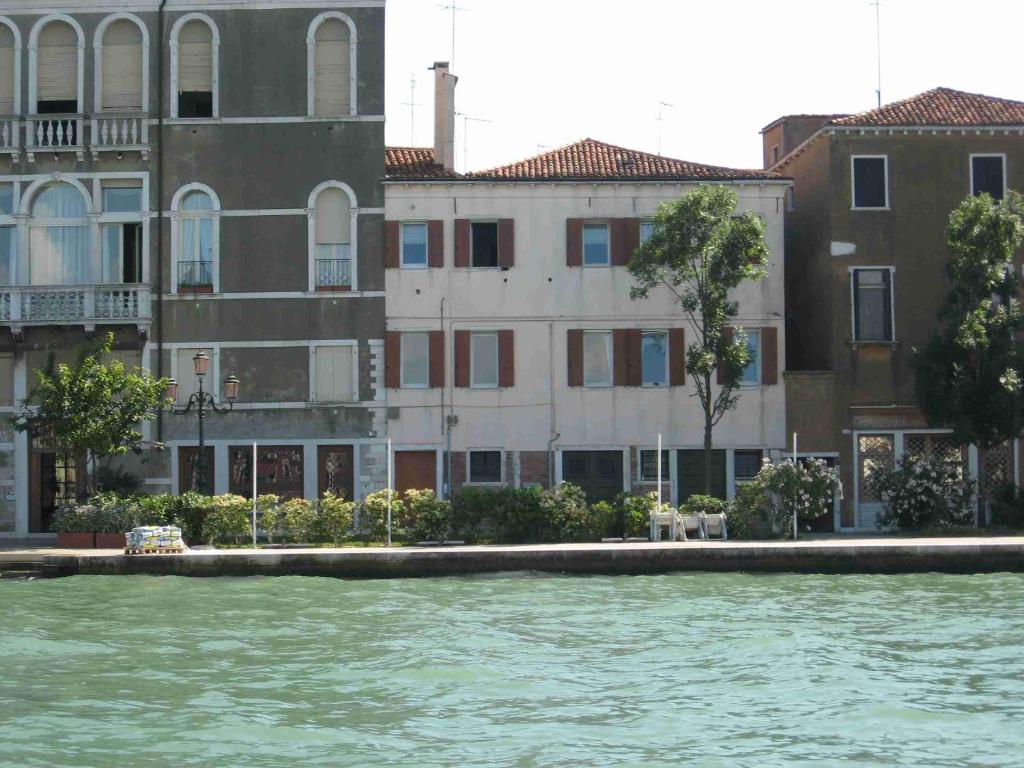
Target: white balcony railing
x: 54, y: 133
x: 75, y: 305
x: 119, y: 132
x: 9, y: 143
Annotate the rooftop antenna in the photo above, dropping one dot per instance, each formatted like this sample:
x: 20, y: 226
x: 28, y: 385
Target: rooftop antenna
x: 878, y: 46
x: 454, y: 9
x: 466, y: 119
x: 411, y: 104
x: 661, y: 120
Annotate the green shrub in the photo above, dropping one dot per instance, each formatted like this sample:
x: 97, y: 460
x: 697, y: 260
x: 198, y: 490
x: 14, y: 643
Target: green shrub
x: 334, y: 518
x: 1008, y: 507
x: 117, y: 480
x: 606, y: 520
x: 519, y: 518
x: 299, y: 520
x: 188, y: 512
x: 475, y: 510
x: 228, y: 517
x: 708, y: 505
x: 268, y: 514
x: 373, y: 515
x: 428, y: 518
x: 925, y: 492
x: 154, y: 510
x: 748, y: 514
x: 565, y: 507
x: 636, y: 512
x: 75, y: 518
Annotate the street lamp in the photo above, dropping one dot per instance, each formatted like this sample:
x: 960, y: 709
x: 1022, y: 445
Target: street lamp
x: 203, y: 400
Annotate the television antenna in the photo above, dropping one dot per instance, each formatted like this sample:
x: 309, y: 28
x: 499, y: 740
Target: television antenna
x: 466, y: 120
x: 878, y: 46
x: 454, y: 9
x: 411, y: 104
x: 661, y: 120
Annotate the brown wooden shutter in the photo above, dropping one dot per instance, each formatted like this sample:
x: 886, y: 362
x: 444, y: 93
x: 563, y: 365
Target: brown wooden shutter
x: 727, y: 334
x: 632, y: 238
x: 620, y: 357
x: 461, y: 358
x: 574, y: 357
x: 506, y: 243
x: 676, y: 357
x: 461, y: 243
x: 435, y: 243
x: 619, y: 255
x: 391, y: 244
x: 392, y: 359
x: 769, y: 356
x: 436, y: 359
x: 574, y: 242
x: 506, y: 359
x: 634, y: 358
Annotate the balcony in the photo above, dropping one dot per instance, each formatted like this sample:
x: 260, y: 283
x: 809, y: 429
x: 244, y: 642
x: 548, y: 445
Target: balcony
x: 88, y: 305
x: 333, y: 274
x: 54, y: 133
x: 195, y: 276
x: 120, y: 132
x: 9, y: 144
x: 106, y: 132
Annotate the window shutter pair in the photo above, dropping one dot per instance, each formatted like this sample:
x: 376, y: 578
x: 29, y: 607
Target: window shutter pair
x: 625, y: 239
x: 506, y: 359
x: 393, y: 359
x: 506, y: 243
x: 769, y: 356
x: 627, y: 357
x: 393, y: 244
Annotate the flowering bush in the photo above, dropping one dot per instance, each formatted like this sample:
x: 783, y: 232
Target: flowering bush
x: 770, y: 497
x: 925, y: 492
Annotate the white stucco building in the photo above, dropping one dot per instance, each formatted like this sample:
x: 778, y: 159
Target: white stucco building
x: 512, y: 339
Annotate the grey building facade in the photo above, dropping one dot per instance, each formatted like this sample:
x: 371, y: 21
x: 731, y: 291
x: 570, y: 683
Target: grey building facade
x: 201, y: 177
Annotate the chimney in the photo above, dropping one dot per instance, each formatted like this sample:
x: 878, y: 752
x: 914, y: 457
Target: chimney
x: 444, y: 115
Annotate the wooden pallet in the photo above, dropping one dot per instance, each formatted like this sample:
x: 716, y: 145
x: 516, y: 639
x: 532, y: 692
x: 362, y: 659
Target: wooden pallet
x: 163, y: 551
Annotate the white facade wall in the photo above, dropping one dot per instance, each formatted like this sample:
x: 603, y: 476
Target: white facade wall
x: 540, y: 298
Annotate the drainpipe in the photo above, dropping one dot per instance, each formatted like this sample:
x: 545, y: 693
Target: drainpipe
x: 551, y: 398
x: 446, y: 419
x: 160, y: 210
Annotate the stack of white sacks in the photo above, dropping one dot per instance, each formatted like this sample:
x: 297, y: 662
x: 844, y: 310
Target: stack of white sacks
x: 155, y: 537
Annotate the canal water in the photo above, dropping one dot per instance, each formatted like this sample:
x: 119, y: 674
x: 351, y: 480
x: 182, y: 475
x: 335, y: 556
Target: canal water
x: 517, y: 670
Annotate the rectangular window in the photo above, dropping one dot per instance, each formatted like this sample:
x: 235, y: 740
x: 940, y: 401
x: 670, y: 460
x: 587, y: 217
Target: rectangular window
x: 122, y: 199
x: 416, y: 360
x: 646, y: 230
x: 988, y: 174
x: 122, y: 253
x: 752, y: 373
x: 483, y: 360
x: 414, y: 244
x: 870, y: 182
x: 649, y: 466
x: 334, y: 368
x: 484, y: 237
x: 872, y: 305
x: 6, y: 199
x: 746, y: 465
x: 654, y: 354
x: 485, y: 466
x: 596, y: 245
x: 597, y: 358
x: 775, y: 154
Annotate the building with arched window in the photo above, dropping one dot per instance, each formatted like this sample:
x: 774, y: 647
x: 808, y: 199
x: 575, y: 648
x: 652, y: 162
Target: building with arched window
x: 244, y: 220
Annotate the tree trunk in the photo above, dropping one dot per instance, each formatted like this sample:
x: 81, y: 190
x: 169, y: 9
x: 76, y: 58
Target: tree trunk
x: 708, y: 425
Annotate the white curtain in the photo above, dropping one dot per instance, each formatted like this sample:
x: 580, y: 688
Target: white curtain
x: 112, y: 262
x: 597, y: 358
x: 195, y: 248
x: 59, y: 201
x: 60, y: 255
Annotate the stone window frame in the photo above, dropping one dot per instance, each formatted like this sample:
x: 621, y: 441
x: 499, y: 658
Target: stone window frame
x: 485, y: 483
x: 853, y: 183
x: 97, y: 46
x: 353, y: 73
x: 16, y: 34
x: 214, y: 55
x: 353, y: 345
x: 353, y: 230
x: 176, y: 216
x: 33, y: 61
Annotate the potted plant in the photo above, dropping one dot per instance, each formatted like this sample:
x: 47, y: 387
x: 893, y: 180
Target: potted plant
x: 74, y: 527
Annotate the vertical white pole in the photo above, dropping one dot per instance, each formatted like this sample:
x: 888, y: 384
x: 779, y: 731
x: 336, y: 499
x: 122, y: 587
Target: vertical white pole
x: 659, y: 472
x: 795, y: 501
x: 390, y: 483
x: 254, y: 494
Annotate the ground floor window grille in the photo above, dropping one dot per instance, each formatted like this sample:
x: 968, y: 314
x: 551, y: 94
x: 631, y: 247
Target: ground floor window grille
x: 876, y: 454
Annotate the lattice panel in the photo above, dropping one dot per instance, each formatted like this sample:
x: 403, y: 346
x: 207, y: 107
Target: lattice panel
x: 932, y: 445
x: 996, y: 469
x: 877, y: 453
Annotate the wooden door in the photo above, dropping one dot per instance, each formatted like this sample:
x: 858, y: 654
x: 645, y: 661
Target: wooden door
x: 279, y: 470
x: 691, y: 474
x: 598, y: 473
x: 188, y: 469
x: 336, y: 470
x: 415, y: 470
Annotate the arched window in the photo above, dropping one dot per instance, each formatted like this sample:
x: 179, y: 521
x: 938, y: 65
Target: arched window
x: 10, y: 51
x: 59, y: 237
x: 57, y: 49
x: 121, y: 67
x: 196, y: 240
x: 331, y: 44
x: 195, y: 44
x: 333, y: 239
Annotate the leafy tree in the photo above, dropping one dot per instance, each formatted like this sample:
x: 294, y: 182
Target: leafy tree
x: 969, y: 374
x: 700, y: 250
x: 92, y: 408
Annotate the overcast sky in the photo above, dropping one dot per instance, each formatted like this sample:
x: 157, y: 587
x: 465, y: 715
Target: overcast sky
x: 549, y: 72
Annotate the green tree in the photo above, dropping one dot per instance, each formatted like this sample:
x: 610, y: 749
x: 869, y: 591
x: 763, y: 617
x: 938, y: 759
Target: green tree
x: 968, y: 375
x: 91, y: 408
x: 701, y: 250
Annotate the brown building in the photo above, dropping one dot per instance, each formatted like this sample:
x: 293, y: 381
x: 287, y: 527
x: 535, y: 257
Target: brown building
x: 865, y: 272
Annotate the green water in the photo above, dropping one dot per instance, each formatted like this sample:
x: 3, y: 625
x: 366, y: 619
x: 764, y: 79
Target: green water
x: 519, y: 670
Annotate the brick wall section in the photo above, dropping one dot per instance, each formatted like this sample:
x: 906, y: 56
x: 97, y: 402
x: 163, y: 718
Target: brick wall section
x: 533, y: 468
x: 458, y: 470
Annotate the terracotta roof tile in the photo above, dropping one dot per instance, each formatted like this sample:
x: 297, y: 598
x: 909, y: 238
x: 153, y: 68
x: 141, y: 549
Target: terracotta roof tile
x: 413, y: 163
x: 940, y: 107
x: 594, y: 160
